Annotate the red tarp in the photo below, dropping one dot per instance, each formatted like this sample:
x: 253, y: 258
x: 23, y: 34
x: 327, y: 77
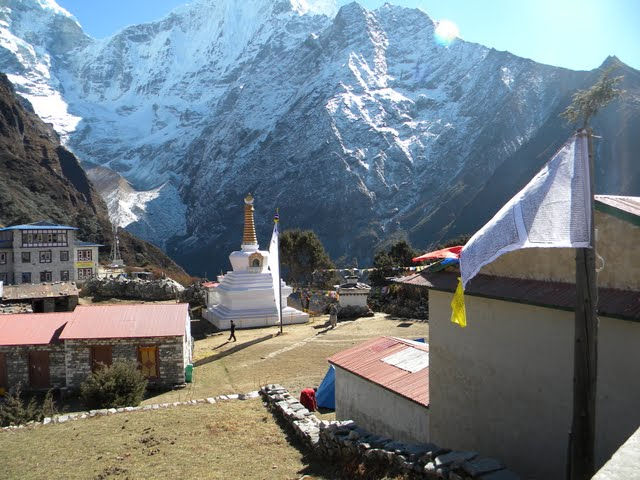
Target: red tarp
x: 451, y: 252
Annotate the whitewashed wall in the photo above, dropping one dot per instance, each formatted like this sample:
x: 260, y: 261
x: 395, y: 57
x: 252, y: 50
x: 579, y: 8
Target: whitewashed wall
x: 503, y: 385
x: 379, y: 410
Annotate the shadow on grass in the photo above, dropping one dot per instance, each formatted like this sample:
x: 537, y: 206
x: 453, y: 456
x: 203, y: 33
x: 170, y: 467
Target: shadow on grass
x: 316, y: 466
x: 234, y: 349
x: 404, y: 324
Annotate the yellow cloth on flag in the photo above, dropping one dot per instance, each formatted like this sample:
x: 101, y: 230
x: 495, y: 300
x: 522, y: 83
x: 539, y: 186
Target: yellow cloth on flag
x: 458, y: 311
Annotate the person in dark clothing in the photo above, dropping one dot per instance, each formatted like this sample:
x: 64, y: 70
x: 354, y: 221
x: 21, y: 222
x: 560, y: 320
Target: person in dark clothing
x: 233, y: 332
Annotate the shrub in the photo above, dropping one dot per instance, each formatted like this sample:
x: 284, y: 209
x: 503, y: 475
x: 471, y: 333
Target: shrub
x: 16, y: 411
x: 120, y: 385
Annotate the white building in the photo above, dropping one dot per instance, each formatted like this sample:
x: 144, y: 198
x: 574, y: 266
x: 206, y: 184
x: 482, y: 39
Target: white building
x: 245, y: 294
x: 503, y: 384
x: 383, y: 386
x: 353, y: 293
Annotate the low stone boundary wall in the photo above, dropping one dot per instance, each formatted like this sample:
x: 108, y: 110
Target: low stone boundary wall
x: 68, y: 417
x: 345, y: 440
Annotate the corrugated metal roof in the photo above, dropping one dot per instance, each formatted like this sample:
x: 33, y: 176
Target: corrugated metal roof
x: 38, y: 290
x: 80, y: 243
x: 31, y: 328
x: 624, y: 304
x: 366, y: 361
x: 126, y: 321
x: 410, y: 359
x: 625, y: 203
x: 38, y: 226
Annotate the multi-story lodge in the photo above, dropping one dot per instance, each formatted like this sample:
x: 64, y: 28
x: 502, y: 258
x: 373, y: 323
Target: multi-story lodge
x: 45, y: 252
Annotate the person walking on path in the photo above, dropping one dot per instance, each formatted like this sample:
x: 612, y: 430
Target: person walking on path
x: 333, y: 315
x: 233, y: 332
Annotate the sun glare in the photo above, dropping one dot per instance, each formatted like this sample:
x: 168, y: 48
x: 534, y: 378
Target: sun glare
x: 446, y: 32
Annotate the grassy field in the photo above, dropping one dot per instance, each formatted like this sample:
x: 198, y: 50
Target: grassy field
x: 228, y: 440
x: 297, y: 359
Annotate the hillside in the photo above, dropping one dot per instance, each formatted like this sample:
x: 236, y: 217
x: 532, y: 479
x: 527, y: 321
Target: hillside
x: 41, y: 180
x: 355, y: 123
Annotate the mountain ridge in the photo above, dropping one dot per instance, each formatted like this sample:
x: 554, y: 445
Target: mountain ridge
x: 358, y: 125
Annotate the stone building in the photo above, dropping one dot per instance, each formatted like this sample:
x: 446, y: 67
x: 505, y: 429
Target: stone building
x: 45, y: 350
x: 246, y: 294
x: 45, y: 252
x: 157, y: 336
x: 503, y: 384
x: 383, y: 385
x: 43, y: 297
x: 31, y: 352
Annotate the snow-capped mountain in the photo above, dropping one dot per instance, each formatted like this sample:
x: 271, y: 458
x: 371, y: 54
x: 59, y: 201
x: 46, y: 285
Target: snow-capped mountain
x: 355, y: 123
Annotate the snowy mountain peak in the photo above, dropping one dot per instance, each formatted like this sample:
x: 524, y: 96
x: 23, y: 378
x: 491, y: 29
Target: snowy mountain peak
x: 316, y: 7
x: 295, y: 102
x: 54, y: 7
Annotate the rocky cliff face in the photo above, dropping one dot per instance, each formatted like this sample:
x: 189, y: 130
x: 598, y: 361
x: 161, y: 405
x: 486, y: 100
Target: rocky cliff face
x: 41, y: 180
x: 357, y: 124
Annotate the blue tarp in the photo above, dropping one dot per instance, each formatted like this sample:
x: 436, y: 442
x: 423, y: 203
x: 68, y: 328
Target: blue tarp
x: 326, y: 394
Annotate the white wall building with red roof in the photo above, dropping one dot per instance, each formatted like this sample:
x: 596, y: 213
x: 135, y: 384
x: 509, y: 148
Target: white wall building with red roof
x: 383, y: 385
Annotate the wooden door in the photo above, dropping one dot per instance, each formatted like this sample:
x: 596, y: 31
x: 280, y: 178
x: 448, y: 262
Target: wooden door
x: 148, y: 357
x: 101, y: 356
x: 3, y: 373
x: 39, y: 369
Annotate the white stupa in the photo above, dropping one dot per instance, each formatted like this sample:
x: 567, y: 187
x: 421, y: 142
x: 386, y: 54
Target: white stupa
x: 245, y: 294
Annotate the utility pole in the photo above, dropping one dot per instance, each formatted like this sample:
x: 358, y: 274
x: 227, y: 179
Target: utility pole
x: 582, y: 437
x: 581, y: 452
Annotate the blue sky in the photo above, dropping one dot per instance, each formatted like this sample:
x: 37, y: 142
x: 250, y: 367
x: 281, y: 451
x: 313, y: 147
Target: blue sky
x: 568, y: 33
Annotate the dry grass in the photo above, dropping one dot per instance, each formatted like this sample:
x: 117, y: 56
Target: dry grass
x: 222, y: 441
x: 297, y: 359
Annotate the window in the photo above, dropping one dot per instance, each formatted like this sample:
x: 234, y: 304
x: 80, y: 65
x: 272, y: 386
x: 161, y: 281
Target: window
x: 148, y: 358
x: 84, y: 255
x: 101, y: 356
x: 64, y: 275
x: 255, y: 263
x: 64, y: 255
x: 84, y: 273
x: 45, y: 256
x: 3, y: 258
x: 26, y: 277
x: 42, y: 238
x: 4, y: 278
x: 45, y: 276
x: 26, y: 257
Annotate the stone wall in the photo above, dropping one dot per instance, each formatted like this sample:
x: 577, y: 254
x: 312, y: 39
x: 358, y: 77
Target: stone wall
x: 120, y: 287
x: 346, y: 441
x: 170, y: 357
x: 17, y: 359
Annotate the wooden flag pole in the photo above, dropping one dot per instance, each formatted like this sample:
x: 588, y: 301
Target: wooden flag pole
x: 582, y: 438
x: 279, y: 274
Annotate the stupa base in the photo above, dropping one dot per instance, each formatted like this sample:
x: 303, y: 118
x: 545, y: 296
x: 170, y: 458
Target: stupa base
x: 221, y: 317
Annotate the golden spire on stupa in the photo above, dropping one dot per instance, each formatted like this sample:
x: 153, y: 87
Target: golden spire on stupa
x: 249, y: 234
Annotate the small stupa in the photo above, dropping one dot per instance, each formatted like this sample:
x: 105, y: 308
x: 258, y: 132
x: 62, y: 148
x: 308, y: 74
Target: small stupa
x: 245, y: 294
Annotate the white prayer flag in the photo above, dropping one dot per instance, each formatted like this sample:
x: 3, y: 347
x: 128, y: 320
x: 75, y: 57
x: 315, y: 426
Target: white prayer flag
x: 274, y: 266
x: 553, y: 210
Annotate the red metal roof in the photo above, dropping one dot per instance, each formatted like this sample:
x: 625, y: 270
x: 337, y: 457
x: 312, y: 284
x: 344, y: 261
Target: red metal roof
x: 210, y: 284
x: 126, y: 321
x: 31, y: 328
x: 624, y: 304
x: 365, y: 360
